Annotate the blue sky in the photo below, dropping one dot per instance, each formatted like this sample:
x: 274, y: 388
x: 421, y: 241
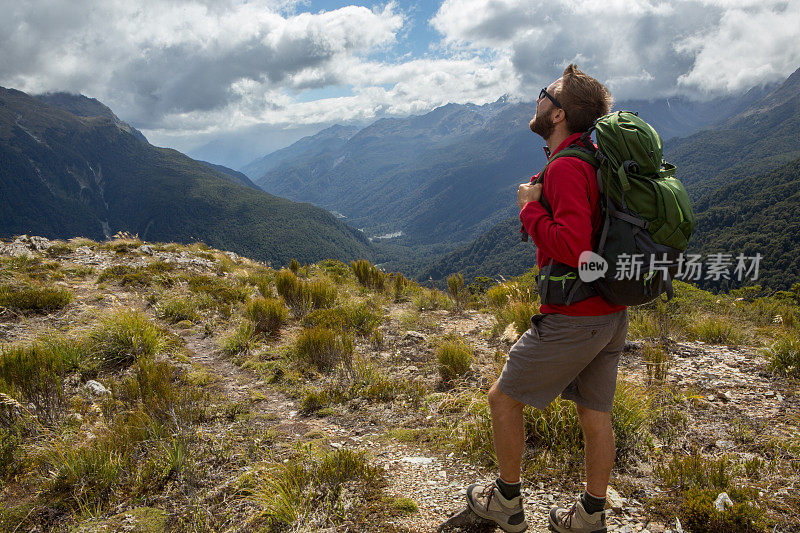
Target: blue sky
x: 192, y: 73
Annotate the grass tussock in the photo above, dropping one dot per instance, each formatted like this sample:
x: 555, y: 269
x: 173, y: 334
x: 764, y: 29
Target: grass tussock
x: 302, y: 296
x: 124, y: 336
x: 29, y: 298
x: 156, y: 272
x: 784, y: 355
x: 315, y: 489
x: 357, y: 318
x: 697, y: 481
x: 267, y: 314
x: 369, y: 275
x: 323, y: 349
x: 454, y: 357
x: 715, y: 330
x: 241, y: 341
x: 177, y: 308
x: 458, y: 290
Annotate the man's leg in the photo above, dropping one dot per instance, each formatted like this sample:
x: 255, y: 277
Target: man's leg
x: 508, y: 433
x: 598, y: 438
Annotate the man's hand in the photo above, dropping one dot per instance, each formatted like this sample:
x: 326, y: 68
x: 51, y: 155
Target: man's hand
x: 528, y: 192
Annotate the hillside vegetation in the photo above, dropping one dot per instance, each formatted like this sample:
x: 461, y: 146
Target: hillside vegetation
x: 167, y: 387
x: 86, y: 173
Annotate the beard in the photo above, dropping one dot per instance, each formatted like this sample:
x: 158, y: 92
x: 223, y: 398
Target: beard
x: 542, y: 125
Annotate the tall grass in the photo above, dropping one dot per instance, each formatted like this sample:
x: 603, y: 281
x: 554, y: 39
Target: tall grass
x: 123, y: 336
x: 455, y: 358
x: 34, y: 373
x: 784, y: 355
x: 267, y: 314
x: 358, y: 318
x: 324, y: 349
x: 369, y: 275
x: 33, y: 298
x: 458, y: 290
x: 303, y: 296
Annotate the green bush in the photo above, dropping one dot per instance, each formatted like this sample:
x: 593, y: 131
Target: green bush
x: 457, y: 290
x: 123, y: 336
x: 498, y: 295
x: 267, y: 314
x: 34, y: 299
x: 34, y: 373
x: 303, y: 296
x: 323, y: 349
x: 715, y: 330
x: 222, y: 290
x: 177, y: 308
x: 241, y: 341
x: 517, y: 312
x: 368, y: 275
x: 357, y: 318
x: 455, y: 359
x: 784, y: 355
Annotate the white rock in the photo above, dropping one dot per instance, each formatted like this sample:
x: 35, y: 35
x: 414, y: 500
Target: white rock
x: 96, y: 387
x: 146, y: 249
x: 723, y: 501
x: 418, y: 460
x: 83, y: 250
x: 415, y: 336
x: 614, y: 501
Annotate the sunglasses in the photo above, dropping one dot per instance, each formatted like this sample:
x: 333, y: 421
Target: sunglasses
x: 552, y: 98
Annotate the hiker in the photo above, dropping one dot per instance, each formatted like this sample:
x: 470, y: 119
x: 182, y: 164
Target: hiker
x: 571, y: 350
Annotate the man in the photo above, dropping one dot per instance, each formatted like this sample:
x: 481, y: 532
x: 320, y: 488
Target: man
x: 571, y: 350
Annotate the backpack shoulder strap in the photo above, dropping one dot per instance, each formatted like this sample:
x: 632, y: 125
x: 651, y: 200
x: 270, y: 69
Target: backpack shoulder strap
x: 573, y: 150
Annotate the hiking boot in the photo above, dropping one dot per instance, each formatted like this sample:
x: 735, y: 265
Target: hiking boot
x: 488, y: 502
x: 577, y: 520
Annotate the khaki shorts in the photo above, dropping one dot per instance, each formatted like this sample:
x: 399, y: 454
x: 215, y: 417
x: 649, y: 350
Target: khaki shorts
x: 574, y: 356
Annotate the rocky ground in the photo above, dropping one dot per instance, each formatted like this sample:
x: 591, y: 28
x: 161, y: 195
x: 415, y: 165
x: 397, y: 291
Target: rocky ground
x: 729, y: 402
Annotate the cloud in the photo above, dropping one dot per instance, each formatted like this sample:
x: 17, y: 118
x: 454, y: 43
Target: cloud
x: 158, y: 57
x: 639, y: 48
x: 183, y: 69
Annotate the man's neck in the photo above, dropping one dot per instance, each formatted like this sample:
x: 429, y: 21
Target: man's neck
x: 556, y: 139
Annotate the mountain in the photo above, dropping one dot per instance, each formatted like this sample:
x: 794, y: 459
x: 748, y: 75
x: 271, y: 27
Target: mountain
x: 446, y: 176
x: 742, y: 175
x: 83, y: 106
x: 755, y: 214
x: 498, y: 252
x: 65, y: 174
x: 324, y: 143
x: 760, y: 138
x: 232, y: 175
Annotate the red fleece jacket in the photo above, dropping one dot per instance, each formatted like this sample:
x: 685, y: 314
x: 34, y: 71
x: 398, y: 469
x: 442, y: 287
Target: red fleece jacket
x: 571, y: 188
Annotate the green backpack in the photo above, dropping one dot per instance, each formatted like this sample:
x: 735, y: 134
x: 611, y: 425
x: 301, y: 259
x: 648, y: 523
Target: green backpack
x: 647, y: 219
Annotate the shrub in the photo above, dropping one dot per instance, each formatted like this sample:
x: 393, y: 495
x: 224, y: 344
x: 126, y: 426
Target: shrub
x: 399, y: 284
x: 178, y: 308
x: 430, y: 300
x: 699, y: 481
x: 784, y: 355
x: 497, y: 296
x: 517, y: 312
x: 268, y: 315
x: 314, y: 400
x: 359, y: 318
x: 240, y: 341
x: 123, y: 336
x: 323, y: 349
x: 715, y: 330
x: 368, y: 275
x: 219, y: 288
x: 302, y: 296
x: 34, y: 373
x: 34, y: 299
x: 457, y: 290
x: 294, y: 266
x: 657, y: 361
x: 308, y: 488
x: 455, y: 358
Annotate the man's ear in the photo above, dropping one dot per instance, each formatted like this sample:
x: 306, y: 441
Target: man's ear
x: 558, y: 115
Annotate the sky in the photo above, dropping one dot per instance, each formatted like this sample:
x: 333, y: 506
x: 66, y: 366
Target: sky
x: 194, y: 73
